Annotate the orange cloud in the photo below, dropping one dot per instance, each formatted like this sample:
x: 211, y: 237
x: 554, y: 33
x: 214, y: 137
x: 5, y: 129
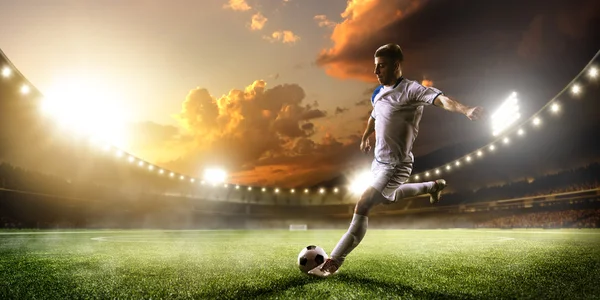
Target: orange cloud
x: 323, y: 21
x: 259, y: 135
x: 258, y: 21
x: 363, y: 19
x: 284, y: 36
x: 427, y: 83
x: 240, y: 5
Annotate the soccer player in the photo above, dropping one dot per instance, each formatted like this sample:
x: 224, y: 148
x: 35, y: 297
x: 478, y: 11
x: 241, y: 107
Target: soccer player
x: 397, y: 109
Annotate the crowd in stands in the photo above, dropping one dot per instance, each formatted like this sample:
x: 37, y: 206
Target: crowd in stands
x: 79, y: 191
x: 31, y: 181
x: 589, y: 218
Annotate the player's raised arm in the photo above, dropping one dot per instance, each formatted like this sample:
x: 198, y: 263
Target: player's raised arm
x: 473, y: 113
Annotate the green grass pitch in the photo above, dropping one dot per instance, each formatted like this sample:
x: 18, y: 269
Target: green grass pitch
x: 390, y: 264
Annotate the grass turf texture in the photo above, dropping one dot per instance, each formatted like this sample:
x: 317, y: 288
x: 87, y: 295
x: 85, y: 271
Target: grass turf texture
x: 407, y: 264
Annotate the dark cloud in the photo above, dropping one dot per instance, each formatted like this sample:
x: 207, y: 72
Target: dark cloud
x: 313, y: 114
x: 439, y: 37
x: 364, y: 102
x: 340, y: 110
x: 474, y: 51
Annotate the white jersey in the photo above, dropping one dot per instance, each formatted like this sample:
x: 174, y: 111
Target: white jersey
x: 397, y: 112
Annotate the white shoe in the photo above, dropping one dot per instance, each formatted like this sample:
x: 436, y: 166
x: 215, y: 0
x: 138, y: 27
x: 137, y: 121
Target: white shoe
x: 326, y: 269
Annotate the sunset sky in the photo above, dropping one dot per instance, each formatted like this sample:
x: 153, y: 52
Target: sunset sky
x: 277, y: 91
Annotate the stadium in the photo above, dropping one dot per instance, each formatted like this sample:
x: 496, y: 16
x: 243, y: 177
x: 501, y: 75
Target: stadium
x: 95, y: 221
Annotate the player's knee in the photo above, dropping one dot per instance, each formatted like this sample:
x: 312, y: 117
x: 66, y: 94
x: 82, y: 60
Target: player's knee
x: 366, y: 201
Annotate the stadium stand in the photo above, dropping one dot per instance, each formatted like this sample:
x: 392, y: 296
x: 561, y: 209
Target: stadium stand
x: 66, y: 182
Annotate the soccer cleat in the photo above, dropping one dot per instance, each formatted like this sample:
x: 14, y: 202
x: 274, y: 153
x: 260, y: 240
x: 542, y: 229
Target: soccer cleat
x: 328, y: 268
x: 436, y: 194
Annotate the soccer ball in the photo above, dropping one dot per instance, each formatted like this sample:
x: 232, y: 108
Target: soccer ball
x: 311, y: 257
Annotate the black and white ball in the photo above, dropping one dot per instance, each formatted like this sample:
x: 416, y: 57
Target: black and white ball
x: 310, y: 257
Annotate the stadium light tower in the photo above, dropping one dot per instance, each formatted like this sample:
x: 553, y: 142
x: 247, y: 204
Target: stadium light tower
x: 215, y: 175
x: 505, y: 115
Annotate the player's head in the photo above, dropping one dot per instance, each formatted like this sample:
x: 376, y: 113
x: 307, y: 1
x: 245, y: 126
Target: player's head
x: 388, y: 59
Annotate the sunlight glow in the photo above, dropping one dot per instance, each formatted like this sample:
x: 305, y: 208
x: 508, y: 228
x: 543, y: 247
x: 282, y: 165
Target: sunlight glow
x: 84, y: 107
x: 215, y: 175
x: 361, y: 182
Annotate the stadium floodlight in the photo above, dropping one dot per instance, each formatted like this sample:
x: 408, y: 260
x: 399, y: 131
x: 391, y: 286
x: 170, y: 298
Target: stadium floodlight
x: 181, y: 177
x: 263, y: 189
x: 322, y: 190
x: 141, y: 163
x: 6, y: 71
x: 237, y: 187
x: 521, y: 132
x: 457, y: 163
x: 479, y: 153
x: 292, y: 191
x: 505, y: 115
x: 505, y: 140
x: 554, y: 107
x: 468, y: 158
x: 593, y: 72
x: 276, y: 191
x: 537, y: 121
x: 131, y: 159
x: 306, y: 191
x: 161, y: 171
x: 192, y: 180
x: 335, y: 190
x: 575, y: 89
x: 427, y: 174
x: 448, y: 167
x: 492, y: 147
x: 150, y: 167
x: 172, y: 174
x: 437, y: 171
x: 215, y: 175
x: 361, y: 182
x: 417, y: 177
x: 249, y: 188
x: 25, y: 89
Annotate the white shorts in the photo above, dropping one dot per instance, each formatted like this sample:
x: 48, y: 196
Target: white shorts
x: 388, y: 178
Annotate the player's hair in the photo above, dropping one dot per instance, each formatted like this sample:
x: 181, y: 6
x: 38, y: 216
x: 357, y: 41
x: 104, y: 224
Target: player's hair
x: 392, y: 51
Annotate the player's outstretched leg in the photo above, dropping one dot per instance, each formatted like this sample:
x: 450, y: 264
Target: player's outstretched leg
x: 433, y: 188
x: 356, y: 232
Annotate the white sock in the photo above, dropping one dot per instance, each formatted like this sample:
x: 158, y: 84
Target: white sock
x: 356, y: 232
x: 414, y: 189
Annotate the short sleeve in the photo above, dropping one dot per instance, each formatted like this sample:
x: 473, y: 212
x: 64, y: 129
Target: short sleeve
x: 375, y: 92
x: 423, y: 95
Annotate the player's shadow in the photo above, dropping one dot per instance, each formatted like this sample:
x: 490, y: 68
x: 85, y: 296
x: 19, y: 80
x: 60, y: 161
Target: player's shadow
x: 394, y: 290
x: 275, y: 287
x: 390, y: 289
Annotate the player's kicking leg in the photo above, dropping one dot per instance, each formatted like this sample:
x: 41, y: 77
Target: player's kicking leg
x: 356, y: 232
x: 358, y: 226
x: 433, y: 188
